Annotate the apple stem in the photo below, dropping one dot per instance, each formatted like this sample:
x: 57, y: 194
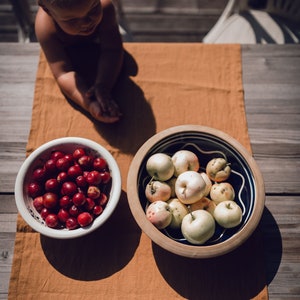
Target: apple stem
x: 192, y: 216
x: 151, y: 180
x: 151, y: 183
x: 190, y: 211
x: 228, y: 206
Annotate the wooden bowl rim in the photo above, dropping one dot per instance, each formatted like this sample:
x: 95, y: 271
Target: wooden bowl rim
x: 193, y: 251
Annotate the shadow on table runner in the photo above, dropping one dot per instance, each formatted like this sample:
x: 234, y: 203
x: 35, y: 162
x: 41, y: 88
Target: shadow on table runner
x: 236, y: 275
x: 138, y: 119
x: 102, y: 253
x: 55, y: 116
x: 175, y: 84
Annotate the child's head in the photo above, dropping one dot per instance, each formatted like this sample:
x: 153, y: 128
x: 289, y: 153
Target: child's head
x: 75, y: 17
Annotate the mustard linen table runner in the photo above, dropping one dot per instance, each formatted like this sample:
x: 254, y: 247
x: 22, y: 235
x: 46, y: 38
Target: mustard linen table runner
x: 161, y: 85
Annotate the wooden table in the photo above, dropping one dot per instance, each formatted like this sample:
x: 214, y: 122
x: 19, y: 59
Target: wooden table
x: 272, y: 95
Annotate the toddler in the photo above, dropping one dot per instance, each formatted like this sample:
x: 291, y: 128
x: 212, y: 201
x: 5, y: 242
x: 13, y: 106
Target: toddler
x: 65, y: 24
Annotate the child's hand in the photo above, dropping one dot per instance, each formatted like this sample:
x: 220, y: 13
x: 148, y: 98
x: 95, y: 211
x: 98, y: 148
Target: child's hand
x: 102, y: 106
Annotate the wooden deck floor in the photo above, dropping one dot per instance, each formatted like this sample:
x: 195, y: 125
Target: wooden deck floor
x: 148, y: 20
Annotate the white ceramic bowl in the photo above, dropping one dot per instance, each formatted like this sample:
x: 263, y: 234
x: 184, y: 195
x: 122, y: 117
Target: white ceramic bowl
x: 68, y: 144
x: 207, y: 143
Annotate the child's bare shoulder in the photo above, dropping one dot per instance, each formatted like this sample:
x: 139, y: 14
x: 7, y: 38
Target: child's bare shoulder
x: 109, y: 13
x: 44, y: 25
x: 106, y: 3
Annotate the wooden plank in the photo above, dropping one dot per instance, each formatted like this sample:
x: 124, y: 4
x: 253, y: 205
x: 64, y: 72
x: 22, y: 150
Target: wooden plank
x: 6, y: 257
x: 257, y: 104
x: 7, y: 204
x: 280, y: 175
x: 280, y: 227
x: 169, y: 27
x: 8, y: 218
x: 8, y: 223
x: 171, y: 21
x: 154, y: 5
x: 272, y: 95
x: 17, y: 76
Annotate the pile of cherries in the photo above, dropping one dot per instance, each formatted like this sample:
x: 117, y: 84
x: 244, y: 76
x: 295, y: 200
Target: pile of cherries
x: 70, y: 190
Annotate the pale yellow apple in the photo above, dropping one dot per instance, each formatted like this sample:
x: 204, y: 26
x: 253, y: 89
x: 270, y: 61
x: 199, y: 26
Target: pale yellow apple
x: 221, y: 192
x: 198, y: 227
x: 179, y: 210
x: 159, y: 214
x: 228, y: 214
x: 218, y: 169
x: 171, y: 182
x: 204, y: 203
x: 160, y: 166
x: 157, y: 190
x: 207, y: 182
x: 190, y: 187
x: 185, y: 160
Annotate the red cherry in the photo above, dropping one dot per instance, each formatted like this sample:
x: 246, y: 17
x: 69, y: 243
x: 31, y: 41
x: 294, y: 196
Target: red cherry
x: 105, y: 177
x: 93, y: 192
x: 39, y: 174
x: 68, y: 188
x: 74, y: 171
x: 63, y: 164
x: 63, y: 215
x: 85, y: 162
x: 79, y: 199
x: 84, y: 219
x: 74, y: 211
x: 69, y: 158
x: 93, y: 178
x: 103, y: 199
x: 44, y: 213
x: 97, y: 210
x: 50, y: 200
x: 52, y: 185
x: 57, y: 154
x: 51, y: 220
x: 38, y: 203
x: 62, y: 177
x: 50, y: 166
x: 65, y: 202
x: 89, y: 204
x: 79, y: 152
x: 81, y: 181
x: 34, y: 189
x: 99, y: 164
x: 71, y: 223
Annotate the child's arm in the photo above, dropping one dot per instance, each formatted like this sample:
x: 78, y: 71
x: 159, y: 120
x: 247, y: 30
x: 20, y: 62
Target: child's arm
x: 111, y: 58
x: 68, y: 80
x: 110, y: 61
